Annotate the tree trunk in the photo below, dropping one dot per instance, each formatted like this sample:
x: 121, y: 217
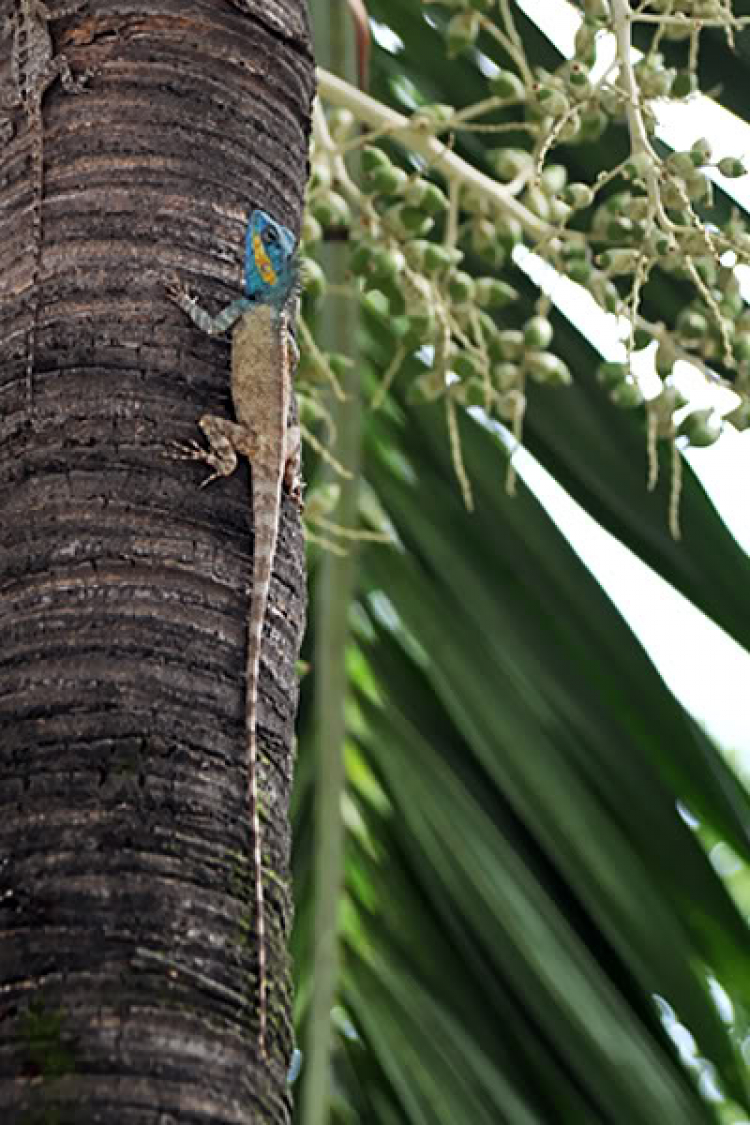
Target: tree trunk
x: 128, y: 955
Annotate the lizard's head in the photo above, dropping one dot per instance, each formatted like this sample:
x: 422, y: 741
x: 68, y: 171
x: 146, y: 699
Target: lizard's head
x: 270, y: 260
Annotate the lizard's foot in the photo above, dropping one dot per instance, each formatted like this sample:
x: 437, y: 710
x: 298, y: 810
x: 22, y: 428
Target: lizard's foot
x: 177, y: 292
x: 75, y: 83
x: 292, y: 352
x: 188, y: 451
x: 80, y: 83
x: 296, y: 494
x: 185, y: 450
x: 192, y: 451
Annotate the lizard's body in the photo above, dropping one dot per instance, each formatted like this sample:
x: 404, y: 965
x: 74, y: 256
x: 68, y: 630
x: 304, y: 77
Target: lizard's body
x: 261, y: 394
x: 34, y: 66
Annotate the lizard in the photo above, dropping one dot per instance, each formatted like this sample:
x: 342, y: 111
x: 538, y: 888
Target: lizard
x: 263, y: 353
x: 34, y: 66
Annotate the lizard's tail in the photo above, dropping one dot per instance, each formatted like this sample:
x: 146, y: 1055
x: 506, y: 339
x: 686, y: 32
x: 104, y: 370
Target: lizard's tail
x: 265, y: 515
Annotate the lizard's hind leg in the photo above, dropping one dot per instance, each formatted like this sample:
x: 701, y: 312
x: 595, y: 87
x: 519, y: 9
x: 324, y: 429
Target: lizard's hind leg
x: 226, y: 439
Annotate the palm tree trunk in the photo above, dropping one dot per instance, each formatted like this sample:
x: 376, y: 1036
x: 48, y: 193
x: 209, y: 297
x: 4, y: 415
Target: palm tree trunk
x: 128, y: 956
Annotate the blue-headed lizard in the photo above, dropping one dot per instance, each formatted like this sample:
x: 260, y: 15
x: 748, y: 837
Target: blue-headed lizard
x: 262, y: 360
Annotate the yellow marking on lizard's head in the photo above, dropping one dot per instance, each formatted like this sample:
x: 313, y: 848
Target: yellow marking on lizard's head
x: 263, y: 263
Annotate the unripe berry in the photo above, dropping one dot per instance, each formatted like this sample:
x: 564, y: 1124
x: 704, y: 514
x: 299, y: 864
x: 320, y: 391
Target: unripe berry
x: 461, y: 286
x: 331, y: 210
x: 611, y: 374
x: 426, y: 196
x: 372, y: 158
x: 544, y: 367
x: 553, y: 178
x: 341, y: 122
x: 491, y: 292
x: 508, y: 163
x: 731, y: 167
x: 428, y: 256
x: 627, y: 395
x: 702, y: 427
x: 461, y: 33
x: 422, y: 326
x: 315, y: 279
x: 551, y: 102
x: 537, y: 332
x: 577, y: 196
x: 684, y: 83
x: 509, y: 232
x: 507, y: 85
x: 691, y: 324
x: 505, y: 376
x: 386, y: 180
x: 510, y: 344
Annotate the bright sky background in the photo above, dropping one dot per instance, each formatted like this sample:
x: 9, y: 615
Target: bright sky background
x: 707, y: 671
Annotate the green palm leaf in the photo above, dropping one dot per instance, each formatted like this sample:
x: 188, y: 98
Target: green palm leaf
x: 531, y: 924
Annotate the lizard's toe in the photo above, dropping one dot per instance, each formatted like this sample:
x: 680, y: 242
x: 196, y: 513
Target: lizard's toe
x: 181, y: 450
x: 175, y: 290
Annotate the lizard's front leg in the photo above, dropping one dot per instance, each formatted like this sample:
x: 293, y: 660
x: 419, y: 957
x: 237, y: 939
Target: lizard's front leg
x: 212, y: 325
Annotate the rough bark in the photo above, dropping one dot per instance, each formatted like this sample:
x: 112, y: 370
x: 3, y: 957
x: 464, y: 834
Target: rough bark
x: 127, y: 932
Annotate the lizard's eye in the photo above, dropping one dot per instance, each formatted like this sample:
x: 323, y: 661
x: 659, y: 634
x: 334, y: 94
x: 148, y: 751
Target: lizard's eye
x: 272, y: 236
